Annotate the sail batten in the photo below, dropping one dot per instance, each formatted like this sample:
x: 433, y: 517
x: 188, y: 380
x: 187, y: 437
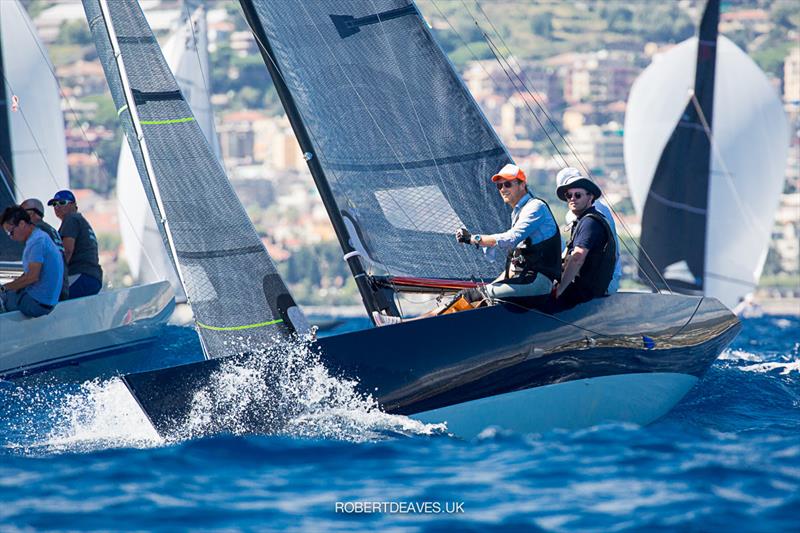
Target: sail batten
x: 229, y: 279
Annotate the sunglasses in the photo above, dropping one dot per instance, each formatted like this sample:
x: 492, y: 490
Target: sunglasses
x: 60, y: 202
x: 33, y: 210
x: 504, y: 184
x: 576, y: 195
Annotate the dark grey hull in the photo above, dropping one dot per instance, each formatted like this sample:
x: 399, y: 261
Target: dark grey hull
x: 459, y: 359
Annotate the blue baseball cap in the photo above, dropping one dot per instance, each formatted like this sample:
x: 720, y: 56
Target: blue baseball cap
x: 61, y: 196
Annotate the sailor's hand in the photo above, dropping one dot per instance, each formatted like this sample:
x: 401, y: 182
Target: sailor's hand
x: 464, y: 236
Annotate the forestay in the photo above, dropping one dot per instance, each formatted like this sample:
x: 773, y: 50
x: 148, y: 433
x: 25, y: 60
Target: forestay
x: 230, y: 281
x: 405, y: 149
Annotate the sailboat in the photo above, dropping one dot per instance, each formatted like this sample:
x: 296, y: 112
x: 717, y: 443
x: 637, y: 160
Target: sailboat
x: 33, y: 164
x: 30, y: 147
x: 400, y: 154
x: 186, y: 52
x: 706, y: 141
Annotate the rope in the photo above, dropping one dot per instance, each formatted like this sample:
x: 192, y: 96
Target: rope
x: 506, y: 67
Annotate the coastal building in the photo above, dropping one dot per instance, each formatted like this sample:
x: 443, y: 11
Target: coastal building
x: 791, y: 77
x: 602, y: 76
x: 600, y: 149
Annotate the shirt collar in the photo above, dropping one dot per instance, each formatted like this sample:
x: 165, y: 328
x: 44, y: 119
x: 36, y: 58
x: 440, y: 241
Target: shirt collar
x: 522, y: 201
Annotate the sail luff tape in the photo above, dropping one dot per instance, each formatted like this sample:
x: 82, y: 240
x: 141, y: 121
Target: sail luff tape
x: 239, y: 328
x: 354, y: 253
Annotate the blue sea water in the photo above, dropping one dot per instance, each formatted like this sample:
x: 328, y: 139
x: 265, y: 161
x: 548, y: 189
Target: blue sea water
x: 81, y: 457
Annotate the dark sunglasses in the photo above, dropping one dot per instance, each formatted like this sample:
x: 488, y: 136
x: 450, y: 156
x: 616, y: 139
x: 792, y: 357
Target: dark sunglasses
x: 60, y: 202
x: 576, y: 195
x: 504, y: 184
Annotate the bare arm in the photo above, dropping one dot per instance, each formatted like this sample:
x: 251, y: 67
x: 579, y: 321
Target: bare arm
x: 69, y: 248
x: 573, y: 266
x: 28, y: 278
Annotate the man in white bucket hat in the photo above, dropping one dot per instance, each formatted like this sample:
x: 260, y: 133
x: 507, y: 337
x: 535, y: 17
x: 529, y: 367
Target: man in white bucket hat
x: 591, y: 252
x: 600, y: 204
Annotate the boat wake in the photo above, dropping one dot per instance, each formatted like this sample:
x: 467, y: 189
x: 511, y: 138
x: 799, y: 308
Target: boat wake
x: 784, y: 365
x: 286, y: 390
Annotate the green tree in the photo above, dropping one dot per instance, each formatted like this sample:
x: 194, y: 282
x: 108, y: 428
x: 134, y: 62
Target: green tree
x: 74, y: 32
x: 542, y: 24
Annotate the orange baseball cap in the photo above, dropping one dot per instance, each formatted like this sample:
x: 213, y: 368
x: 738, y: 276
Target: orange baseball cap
x: 508, y: 173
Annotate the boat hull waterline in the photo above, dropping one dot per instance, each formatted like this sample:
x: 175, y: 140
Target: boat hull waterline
x: 505, y: 366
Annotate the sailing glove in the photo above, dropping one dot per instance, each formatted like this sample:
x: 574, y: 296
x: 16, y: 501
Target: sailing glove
x: 463, y: 236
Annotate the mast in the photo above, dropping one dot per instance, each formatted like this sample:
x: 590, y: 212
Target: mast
x: 7, y: 195
x: 9, y: 250
x: 318, y: 174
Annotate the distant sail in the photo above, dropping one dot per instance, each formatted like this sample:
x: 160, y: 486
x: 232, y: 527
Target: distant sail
x: 235, y: 292
x: 36, y: 129
x: 186, y: 53
x: 684, y: 187
x: 404, y: 147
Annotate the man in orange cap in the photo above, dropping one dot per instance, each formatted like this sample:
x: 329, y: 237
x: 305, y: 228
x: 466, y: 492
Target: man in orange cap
x: 532, y: 245
x: 532, y: 249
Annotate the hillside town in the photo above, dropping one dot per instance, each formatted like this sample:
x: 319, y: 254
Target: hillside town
x: 580, y: 94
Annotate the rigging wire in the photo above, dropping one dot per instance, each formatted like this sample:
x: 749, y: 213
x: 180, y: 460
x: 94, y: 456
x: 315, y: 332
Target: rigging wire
x: 508, y: 67
x: 569, y: 145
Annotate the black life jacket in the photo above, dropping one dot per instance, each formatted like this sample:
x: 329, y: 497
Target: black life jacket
x: 527, y: 259
x: 598, y: 268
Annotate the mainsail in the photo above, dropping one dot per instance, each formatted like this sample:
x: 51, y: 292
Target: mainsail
x: 399, y: 142
x: 32, y: 144
x: 706, y: 194
x: 237, y: 296
x: 186, y: 52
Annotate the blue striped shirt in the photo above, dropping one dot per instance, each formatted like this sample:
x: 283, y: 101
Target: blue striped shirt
x: 529, y: 218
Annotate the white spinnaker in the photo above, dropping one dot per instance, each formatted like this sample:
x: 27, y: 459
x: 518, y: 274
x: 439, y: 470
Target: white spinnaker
x: 186, y: 52
x: 37, y: 128
x: 748, y: 156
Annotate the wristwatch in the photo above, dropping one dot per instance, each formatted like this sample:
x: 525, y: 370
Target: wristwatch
x: 476, y: 239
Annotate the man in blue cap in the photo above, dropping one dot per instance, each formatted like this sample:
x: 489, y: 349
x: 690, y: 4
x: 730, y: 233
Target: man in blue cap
x: 80, y: 247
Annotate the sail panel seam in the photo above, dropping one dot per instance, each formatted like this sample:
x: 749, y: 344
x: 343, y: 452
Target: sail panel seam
x: 677, y: 205
x: 423, y: 163
x: 220, y: 253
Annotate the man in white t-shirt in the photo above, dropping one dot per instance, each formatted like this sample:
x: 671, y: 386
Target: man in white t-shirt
x: 602, y: 207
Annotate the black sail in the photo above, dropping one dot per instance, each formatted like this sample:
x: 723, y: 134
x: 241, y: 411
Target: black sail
x: 403, y: 146
x: 675, y: 211
x: 236, y: 294
x: 9, y: 250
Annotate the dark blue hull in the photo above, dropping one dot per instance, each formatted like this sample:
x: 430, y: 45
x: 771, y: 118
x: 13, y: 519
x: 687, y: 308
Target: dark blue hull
x: 425, y: 365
